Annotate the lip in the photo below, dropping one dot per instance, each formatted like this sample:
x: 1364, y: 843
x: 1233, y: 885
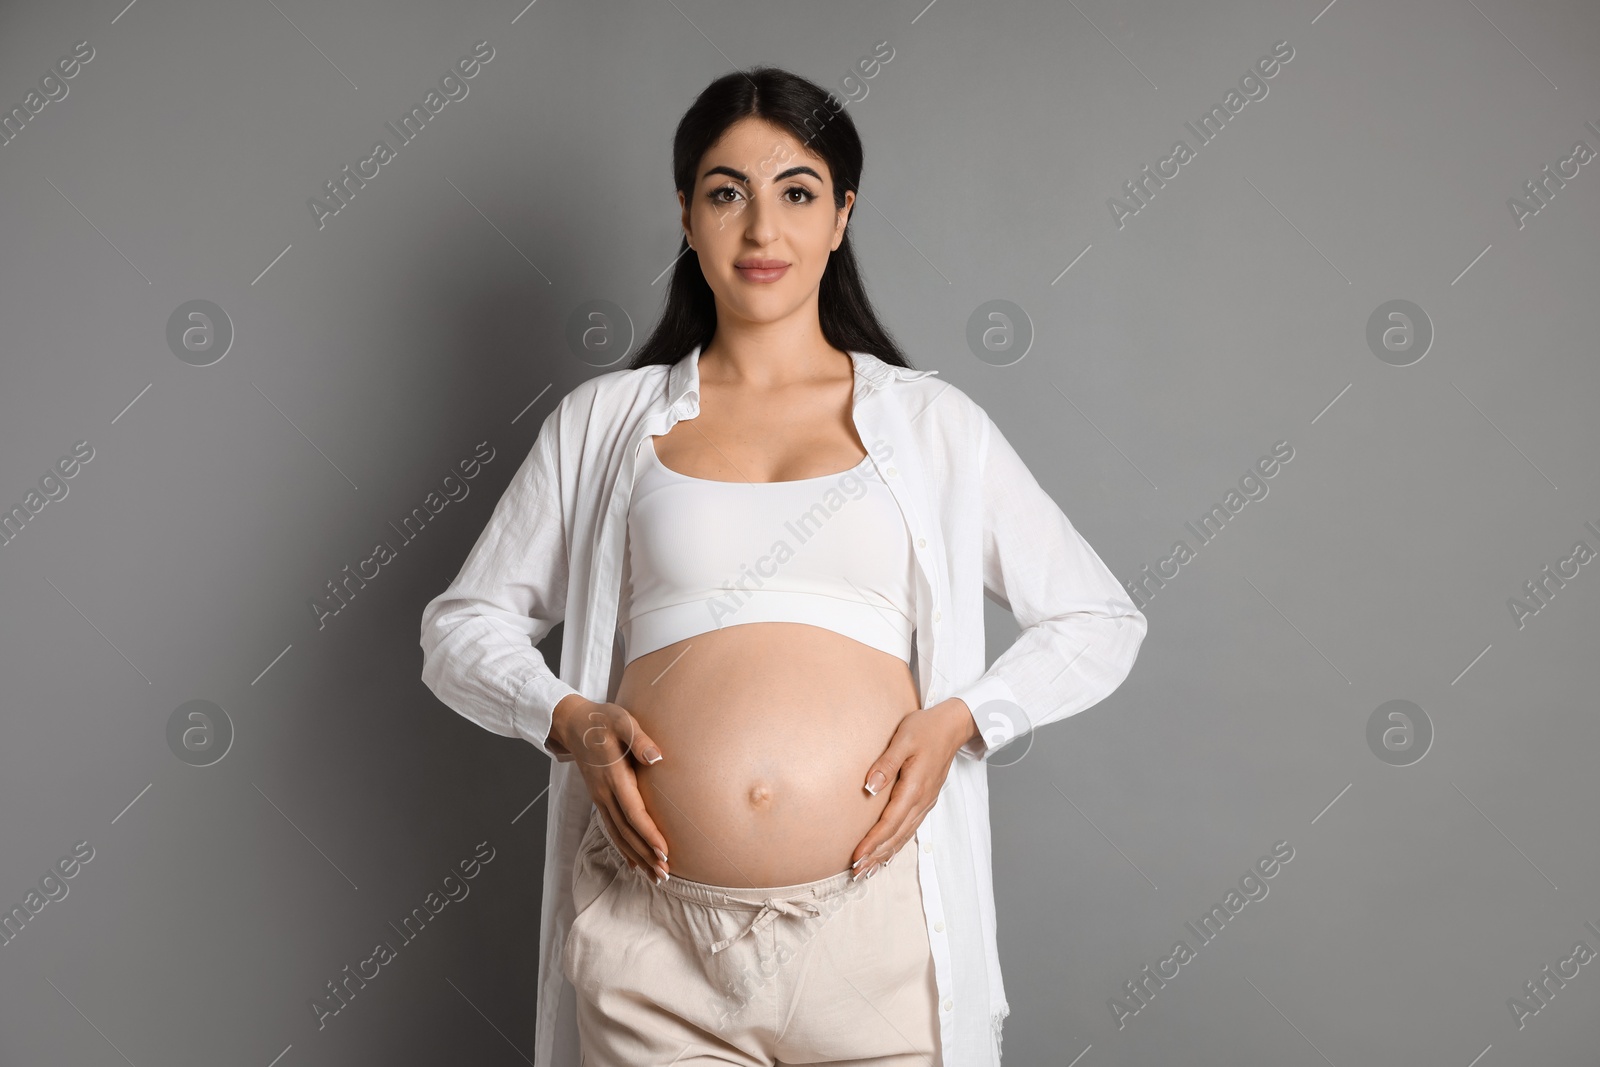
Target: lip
x: 762, y: 270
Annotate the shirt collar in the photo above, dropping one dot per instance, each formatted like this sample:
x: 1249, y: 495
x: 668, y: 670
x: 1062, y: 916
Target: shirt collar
x: 872, y: 373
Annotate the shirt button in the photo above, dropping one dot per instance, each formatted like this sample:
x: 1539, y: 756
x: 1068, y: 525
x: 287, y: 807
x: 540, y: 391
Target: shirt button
x: 937, y: 616
x: 948, y: 1004
x: 927, y: 846
x: 891, y: 472
x: 939, y: 926
x: 922, y: 542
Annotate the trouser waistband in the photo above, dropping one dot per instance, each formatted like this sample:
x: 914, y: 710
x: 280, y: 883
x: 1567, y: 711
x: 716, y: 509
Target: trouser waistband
x: 738, y: 897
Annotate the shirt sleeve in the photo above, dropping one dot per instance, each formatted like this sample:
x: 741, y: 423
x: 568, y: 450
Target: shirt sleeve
x: 1080, y: 630
x: 478, y: 636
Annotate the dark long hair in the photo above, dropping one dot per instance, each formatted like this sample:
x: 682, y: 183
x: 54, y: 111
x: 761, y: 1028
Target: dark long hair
x: 805, y: 110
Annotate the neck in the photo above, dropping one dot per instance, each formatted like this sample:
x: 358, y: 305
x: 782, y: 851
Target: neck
x: 770, y: 356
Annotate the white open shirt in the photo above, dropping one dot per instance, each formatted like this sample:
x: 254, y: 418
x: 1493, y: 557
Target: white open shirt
x: 979, y: 523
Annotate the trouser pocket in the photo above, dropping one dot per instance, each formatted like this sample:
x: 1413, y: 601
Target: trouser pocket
x: 597, y: 870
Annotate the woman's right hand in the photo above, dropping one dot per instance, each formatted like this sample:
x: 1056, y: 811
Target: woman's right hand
x: 605, y: 740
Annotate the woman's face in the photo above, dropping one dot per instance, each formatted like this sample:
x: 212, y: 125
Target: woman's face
x: 761, y: 198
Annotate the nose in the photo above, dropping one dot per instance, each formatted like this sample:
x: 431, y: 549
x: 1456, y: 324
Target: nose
x: 759, y: 223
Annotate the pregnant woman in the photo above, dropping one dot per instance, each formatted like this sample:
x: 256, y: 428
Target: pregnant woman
x: 774, y: 849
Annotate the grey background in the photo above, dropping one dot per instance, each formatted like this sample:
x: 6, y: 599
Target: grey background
x: 432, y: 313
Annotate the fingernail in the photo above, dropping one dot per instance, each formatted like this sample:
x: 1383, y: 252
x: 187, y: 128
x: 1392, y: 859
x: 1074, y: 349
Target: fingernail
x: 875, y: 783
x: 663, y: 855
x: 858, y: 863
x: 875, y: 870
x: 652, y: 756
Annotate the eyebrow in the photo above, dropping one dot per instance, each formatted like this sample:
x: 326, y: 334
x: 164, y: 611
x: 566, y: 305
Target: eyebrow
x: 791, y: 172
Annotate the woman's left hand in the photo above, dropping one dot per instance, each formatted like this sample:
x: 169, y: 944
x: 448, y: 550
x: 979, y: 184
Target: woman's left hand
x: 914, y: 765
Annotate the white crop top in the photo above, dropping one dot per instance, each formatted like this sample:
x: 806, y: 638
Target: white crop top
x: 702, y: 554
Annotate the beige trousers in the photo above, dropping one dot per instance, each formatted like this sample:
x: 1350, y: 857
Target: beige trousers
x: 688, y: 974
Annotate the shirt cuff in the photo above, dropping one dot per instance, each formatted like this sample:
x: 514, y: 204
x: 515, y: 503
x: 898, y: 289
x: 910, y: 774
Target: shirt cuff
x: 533, y: 712
x: 997, y: 725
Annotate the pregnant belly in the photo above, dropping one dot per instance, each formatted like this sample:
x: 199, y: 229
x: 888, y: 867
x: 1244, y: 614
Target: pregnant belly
x: 767, y: 730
